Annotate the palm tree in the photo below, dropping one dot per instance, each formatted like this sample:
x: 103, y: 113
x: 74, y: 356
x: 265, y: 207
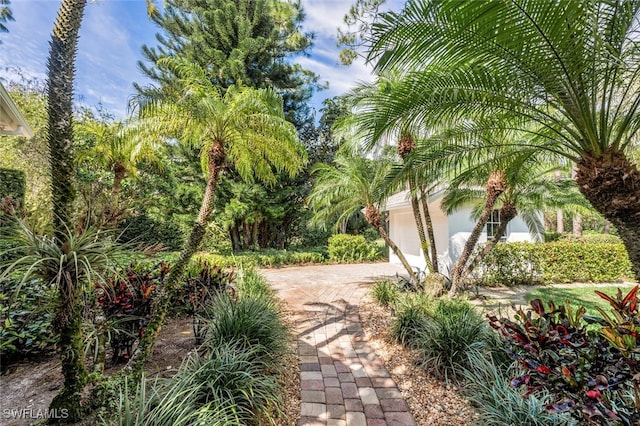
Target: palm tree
x: 529, y: 188
x: 352, y: 184
x: 571, y: 67
x: 120, y: 149
x: 242, y: 126
x: 60, y: 72
x: 366, y: 101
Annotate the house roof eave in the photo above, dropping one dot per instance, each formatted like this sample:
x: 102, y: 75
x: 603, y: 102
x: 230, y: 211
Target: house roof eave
x: 17, y: 126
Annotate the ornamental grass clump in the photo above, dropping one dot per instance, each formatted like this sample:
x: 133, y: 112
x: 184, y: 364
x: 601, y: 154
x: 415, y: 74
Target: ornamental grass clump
x: 226, y: 387
x: 411, y: 313
x: 253, y: 323
x: 448, y: 333
x: 385, y: 292
x: 487, y: 385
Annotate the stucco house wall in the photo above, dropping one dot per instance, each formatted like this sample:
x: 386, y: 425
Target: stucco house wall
x: 451, y: 232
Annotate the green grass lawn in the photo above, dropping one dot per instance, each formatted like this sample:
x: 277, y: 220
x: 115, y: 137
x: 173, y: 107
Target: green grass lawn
x: 578, y: 296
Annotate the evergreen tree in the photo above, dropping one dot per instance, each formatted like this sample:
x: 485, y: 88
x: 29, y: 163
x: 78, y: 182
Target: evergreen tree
x: 247, y: 42
x: 236, y: 41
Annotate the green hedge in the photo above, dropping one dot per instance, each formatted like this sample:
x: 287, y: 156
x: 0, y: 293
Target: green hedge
x: 557, y: 262
x: 268, y: 257
x: 352, y: 248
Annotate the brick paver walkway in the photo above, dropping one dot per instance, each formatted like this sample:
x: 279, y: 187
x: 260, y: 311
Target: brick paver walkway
x: 342, y: 381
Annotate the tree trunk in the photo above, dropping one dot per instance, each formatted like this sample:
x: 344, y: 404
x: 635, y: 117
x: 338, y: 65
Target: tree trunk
x: 373, y: 217
x: 559, y: 212
x: 60, y: 75
x: 507, y: 213
x: 118, y: 176
x: 577, y: 225
x: 611, y: 183
x: 559, y: 221
x: 417, y: 216
x: 495, y: 187
x: 162, y: 298
x: 424, y: 200
x: 607, y: 227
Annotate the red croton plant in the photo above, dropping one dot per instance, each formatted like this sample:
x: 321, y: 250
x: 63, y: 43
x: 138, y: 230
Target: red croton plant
x: 592, y: 373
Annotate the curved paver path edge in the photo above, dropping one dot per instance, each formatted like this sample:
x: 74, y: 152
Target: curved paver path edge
x: 342, y: 381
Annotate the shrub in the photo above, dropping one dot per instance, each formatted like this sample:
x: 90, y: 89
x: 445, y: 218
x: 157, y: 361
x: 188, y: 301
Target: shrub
x: 559, y: 262
x: 449, y: 332
x: 126, y: 300
x: 594, y: 238
x: 589, y: 375
x: 25, y: 319
x: 412, y: 310
x: 512, y: 264
x: 489, y: 389
x: 352, y: 248
x: 201, y: 283
x: 228, y: 386
x: 251, y: 284
x: 144, y: 230
x: 385, y: 292
x: 253, y: 322
x: 266, y: 258
x: 550, y: 236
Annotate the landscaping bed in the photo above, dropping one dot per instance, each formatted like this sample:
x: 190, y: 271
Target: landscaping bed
x: 432, y: 401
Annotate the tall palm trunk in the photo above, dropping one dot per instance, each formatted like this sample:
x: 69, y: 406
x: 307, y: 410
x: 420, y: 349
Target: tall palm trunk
x: 428, y: 223
x: 507, y: 212
x: 61, y: 71
x: 406, y: 145
x: 495, y: 187
x: 372, y: 215
x: 161, y: 300
x: 611, y: 183
x: 559, y: 212
x: 420, y: 225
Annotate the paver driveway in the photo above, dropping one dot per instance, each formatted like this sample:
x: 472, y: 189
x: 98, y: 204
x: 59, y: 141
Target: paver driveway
x: 342, y: 381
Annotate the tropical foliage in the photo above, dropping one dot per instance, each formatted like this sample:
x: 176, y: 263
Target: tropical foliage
x: 563, y: 72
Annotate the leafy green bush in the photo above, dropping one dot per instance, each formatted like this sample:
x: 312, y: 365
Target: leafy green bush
x: 558, y: 262
x: 592, y: 238
x: 144, y: 230
x: 385, y: 292
x: 550, y: 236
x: 512, y: 264
x: 26, y: 313
x: 489, y: 389
x: 451, y: 330
x: 352, y: 248
x: 587, y: 374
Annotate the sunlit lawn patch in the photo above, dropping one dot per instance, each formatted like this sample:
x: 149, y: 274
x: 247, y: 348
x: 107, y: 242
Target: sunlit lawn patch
x: 583, y: 295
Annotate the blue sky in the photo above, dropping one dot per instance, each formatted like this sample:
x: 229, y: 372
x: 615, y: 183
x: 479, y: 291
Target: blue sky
x: 113, y: 32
